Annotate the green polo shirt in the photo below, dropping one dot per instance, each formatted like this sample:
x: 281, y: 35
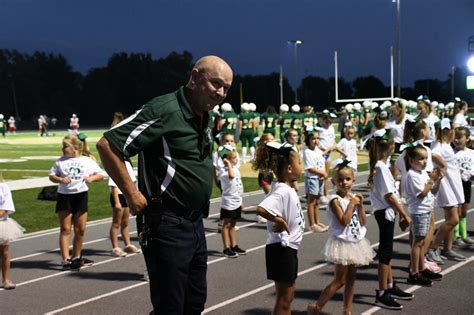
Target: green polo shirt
x: 175, y: 146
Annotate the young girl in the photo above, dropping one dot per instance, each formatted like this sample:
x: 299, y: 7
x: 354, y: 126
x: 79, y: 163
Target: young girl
x: 424, y: 107
x: 347, y: 147
x: 73, y: 171
x: 327, y: 145
x: 385, y: 201
x: 465, y: 162
x: 231, y: 202
x: 347, y: 246
x: 417, y: 187
x: 314, y: 174
x: 450, y: 195
x: 281, y: 207
x: 265, y: 179
x: 460, y: 111
x: 9, y: 231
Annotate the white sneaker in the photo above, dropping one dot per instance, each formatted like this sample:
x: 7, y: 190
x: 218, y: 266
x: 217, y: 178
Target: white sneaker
x: 324, y: 200
x: 132, y: 249
x: 118, y: 252
x: 261, y: 219
x: 318, y: 228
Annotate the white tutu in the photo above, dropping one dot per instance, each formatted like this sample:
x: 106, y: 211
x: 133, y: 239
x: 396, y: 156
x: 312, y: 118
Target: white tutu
x: 344, y: 253
x: 10, y: 230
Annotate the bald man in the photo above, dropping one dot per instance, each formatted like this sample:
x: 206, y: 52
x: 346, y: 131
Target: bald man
x: 172, y: 137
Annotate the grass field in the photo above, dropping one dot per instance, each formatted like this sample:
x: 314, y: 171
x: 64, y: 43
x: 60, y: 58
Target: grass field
x: 25, y: 155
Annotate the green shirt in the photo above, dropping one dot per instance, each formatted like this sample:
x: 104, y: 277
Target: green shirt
x: 270, y: 120
x: 247, y: 120
x: 230, y: 122
x: 175, y: 147
x: 297, y: 122
x: 285, y: 121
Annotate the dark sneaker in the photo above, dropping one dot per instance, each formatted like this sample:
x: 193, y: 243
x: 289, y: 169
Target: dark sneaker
x: 452, y: 255
x: 75, y: 264
x: 230, y: 253
x: 86, y: 262
x: 238, y: 250
x: 468, y: 241
x: 431, y: 275
x: 459, y: 243
x: 399, y: 294
x: 67, y: 264
x: 419, y: 279
x: 386, y: 301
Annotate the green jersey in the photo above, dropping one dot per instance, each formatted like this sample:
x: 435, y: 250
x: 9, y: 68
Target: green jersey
x: 230, y: 122
x: 247, y: 120
x: 269, y: 120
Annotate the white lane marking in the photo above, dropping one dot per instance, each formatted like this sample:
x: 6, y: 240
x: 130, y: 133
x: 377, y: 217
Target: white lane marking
x: 96, y: 298
x: 416, y: 287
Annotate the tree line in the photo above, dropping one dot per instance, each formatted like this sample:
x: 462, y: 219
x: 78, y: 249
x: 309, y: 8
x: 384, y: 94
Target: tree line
x: 46, y: 83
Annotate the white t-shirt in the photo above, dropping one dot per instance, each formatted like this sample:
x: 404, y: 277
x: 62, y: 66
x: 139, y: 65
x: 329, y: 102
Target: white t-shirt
x: 413, y: 185
x: 465, y: 162
x: 460, y: 120
x: 131, y: 173
x: 232, y: 189
x: 430, y: 121
x: 6, y: 200
x: 327, y: 136
x: 354, y: 231
x: 350, y: 148
x: 397, y: 129
x: 283, y: 201
x: 383, y: 184
x: 313, y: 159
x: 77, y: 168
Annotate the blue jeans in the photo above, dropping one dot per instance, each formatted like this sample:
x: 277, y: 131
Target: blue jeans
x: 176, y: 259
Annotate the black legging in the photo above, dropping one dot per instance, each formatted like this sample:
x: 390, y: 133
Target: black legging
x: 386, y: 230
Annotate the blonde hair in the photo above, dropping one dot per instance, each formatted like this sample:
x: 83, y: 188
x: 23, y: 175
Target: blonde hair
x: 75, y: 142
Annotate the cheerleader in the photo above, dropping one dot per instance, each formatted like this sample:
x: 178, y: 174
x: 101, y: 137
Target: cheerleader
x: 9, y: 231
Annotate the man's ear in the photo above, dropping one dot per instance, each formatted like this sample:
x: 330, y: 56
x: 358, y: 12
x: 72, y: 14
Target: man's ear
x: 194, y: 76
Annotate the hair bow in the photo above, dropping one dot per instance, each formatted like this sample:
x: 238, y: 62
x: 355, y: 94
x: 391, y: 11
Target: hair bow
x: 344, y: 163
x: 279, y: 147
x: 225, y: 150
x: 82, y: 136
x: 409, y: 145
x: 457, y: 99
x: 382, y: 133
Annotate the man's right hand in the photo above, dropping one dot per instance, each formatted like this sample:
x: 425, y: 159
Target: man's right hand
x: 137, y: 202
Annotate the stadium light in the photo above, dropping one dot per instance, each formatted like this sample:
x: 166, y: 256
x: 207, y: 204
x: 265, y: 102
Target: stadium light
x: 470, y: 64
x: 295, y: 43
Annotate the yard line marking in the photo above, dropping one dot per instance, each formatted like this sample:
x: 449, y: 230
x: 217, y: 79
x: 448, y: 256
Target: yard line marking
x: 416, y: 287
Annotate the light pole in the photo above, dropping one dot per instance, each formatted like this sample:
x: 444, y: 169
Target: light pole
x: 295, y: 43
x: 398, y: 49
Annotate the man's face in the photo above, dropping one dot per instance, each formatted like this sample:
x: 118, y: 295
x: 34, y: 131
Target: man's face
x: 211, y: 87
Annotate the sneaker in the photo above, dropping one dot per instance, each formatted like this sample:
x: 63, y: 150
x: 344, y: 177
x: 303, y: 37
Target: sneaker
x: 459, y: 243
x: 229, y: 253
x: 261, y: 220
x: 9, y: 285
x: 419, y: 279
x: 238, y: 250
x: 75, y: 264
x: 397, y: 293
x: 468, y: 241
x: 318, y: 228
x: 324, y: 200
x: 132, y: 249
x: 433, y: 255
x: 386, y: 301
x: 431, y: 275
x: 118, y: 252
x: 219, y: 227
x: 66, y: 264
x: 432, y: 266
x: 452, y: 255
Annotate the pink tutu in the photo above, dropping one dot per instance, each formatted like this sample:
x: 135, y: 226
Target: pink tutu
x: 345, y: 253
x: 10, y: 230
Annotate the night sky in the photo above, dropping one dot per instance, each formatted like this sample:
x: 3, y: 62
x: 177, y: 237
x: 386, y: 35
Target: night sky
x: 251, y: 35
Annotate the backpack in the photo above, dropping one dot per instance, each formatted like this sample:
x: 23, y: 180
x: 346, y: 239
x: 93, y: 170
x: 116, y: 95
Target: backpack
x: 48, y: 193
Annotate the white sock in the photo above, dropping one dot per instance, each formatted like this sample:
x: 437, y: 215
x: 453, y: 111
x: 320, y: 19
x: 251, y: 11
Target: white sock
x: 390, y: 285
x: 381, y: 292
x: 252, y: 153
x: 244, y: 154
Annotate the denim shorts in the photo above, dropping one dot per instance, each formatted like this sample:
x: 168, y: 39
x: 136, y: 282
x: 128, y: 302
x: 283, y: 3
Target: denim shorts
x: 420, y: 223
x: 314, y: 186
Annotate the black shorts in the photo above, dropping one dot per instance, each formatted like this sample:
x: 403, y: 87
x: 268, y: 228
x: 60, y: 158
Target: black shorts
x: 231, y: 214
x: 281, y: 262
x: 466, y: 186
x: 123, y: 201
x: 73, y: 203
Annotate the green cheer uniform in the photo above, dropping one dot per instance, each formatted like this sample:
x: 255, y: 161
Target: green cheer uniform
x: 286, y: 121
x: 230, y: 122
x: 269, y: 123
x: 247, y: 135
x: 175, y: 147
